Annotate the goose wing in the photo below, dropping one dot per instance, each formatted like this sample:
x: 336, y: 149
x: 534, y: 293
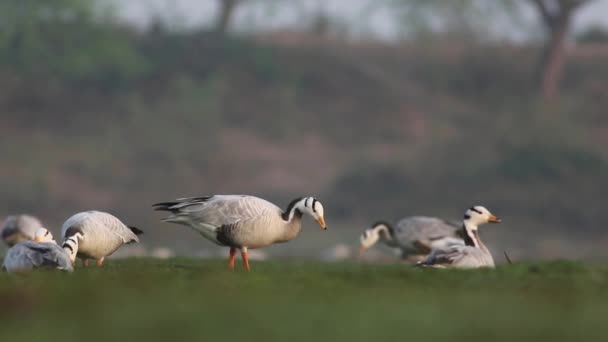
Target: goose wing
x: 425, y: 231
x: 457, y: 256
x: 28, y: 255
x: 101, y: 222
x: 218, y: 210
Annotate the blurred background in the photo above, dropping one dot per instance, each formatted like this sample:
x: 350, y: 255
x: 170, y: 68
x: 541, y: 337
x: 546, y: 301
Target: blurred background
x: 380, y: 108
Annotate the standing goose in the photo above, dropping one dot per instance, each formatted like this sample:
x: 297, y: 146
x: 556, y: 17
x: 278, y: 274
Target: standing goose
x: 19, y: 228
x: 95, y: 235
x: 240, y: 221
x: 474, y: 253
x: 415, y: 236
x: 41, y: 253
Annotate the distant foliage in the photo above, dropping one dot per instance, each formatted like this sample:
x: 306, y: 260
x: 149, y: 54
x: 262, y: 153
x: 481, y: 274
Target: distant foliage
x: 65, y: 39
x: 550, y: 163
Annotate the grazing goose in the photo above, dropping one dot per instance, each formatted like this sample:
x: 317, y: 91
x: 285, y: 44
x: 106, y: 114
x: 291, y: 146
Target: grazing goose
x: 474, y: 253
x: 41, y: 253
x: 19, y: 228
x: 243, y: 222
x: 95, y: 235
x: 415, y: 236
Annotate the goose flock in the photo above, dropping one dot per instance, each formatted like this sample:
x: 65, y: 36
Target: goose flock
x: 241, y: 222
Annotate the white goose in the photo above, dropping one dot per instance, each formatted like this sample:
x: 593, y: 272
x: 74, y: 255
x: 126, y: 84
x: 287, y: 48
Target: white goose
x: 95, y: 235
x: 474, y: 254
x: 243, y: 222
x: 19, y: 228
x: 415, y: 236
x: 41, y: 253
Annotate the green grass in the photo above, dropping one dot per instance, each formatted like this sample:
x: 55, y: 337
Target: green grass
x: 194, y: 300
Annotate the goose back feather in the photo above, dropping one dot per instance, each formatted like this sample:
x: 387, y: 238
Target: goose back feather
x: 29, y: 255
x: 19, y: 228
x: 102, y: 233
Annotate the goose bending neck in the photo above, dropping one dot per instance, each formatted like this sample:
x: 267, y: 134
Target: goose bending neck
x: 293, y: 210
x: 385, y: 231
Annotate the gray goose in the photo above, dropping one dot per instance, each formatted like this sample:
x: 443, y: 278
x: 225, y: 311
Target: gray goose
x: 415, y: 236
x: 241, y: 221
x: 474, y: 253
x: 19, y: 228
x: 95, y: 235
x: 41, y: 253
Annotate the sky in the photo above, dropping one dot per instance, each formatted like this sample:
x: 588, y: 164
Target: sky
x: 194, y: 13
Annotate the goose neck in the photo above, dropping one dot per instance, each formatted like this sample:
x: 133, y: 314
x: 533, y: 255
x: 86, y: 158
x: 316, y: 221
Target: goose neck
x: 385, y: 232
x: 471, y: 234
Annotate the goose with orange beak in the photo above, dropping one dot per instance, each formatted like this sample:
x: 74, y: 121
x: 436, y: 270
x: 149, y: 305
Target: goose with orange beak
x: 242, y: 222
x: 474, y: 253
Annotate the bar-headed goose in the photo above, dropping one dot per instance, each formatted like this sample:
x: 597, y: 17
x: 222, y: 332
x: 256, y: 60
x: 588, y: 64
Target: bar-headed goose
x: 41, y: 253
x: 415, y: 236
x: 19, y: 228
x: 95, y: 235
x: 474, y: 253
x: 240, y: 221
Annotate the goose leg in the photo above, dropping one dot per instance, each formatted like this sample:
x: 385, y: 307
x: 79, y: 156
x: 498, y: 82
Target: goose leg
x: 231, y: 260
x: 85, y: 262
x: 100, y: 262
x: 245, y: 257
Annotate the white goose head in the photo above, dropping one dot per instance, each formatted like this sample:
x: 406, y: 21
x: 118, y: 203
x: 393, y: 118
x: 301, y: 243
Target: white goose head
x: 43, y: 235
x: 372, y: 235
x: 478, y: 215
x: 70, y: 244
x: 305, y: 205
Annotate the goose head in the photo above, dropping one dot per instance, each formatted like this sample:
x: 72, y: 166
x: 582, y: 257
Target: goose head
x: 372, y: 235
x: 43, y: 235
x: 478, y: 215
x: 306, y: 205
x: 70, y: 245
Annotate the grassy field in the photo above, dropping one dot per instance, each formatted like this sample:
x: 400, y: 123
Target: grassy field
x: 195, y: 300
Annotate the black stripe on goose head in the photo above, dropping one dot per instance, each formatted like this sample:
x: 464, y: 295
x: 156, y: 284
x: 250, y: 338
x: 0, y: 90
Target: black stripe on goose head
x: 290, y: 207
x: 475, y: 210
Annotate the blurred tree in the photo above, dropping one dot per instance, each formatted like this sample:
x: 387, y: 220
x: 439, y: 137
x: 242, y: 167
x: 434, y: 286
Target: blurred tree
x: 225, y: 14
x: 595, y: 34
x: 556, y: 15
x: 464, y: 18
x: 67, y: 39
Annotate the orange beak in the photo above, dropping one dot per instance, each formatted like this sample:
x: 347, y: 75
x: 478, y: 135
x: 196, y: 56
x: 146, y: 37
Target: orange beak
x: 361, y: 250
x: 321, y: 222
x: 494, y: 219
x: 37, y: 240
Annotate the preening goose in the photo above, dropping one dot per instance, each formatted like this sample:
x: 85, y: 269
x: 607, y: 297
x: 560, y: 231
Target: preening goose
x: 240, y: 221
x: 95, y: 235
x: 19, y: 228
x: 474, y: 253
x: 415, y: 236
x: 28, y: 255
